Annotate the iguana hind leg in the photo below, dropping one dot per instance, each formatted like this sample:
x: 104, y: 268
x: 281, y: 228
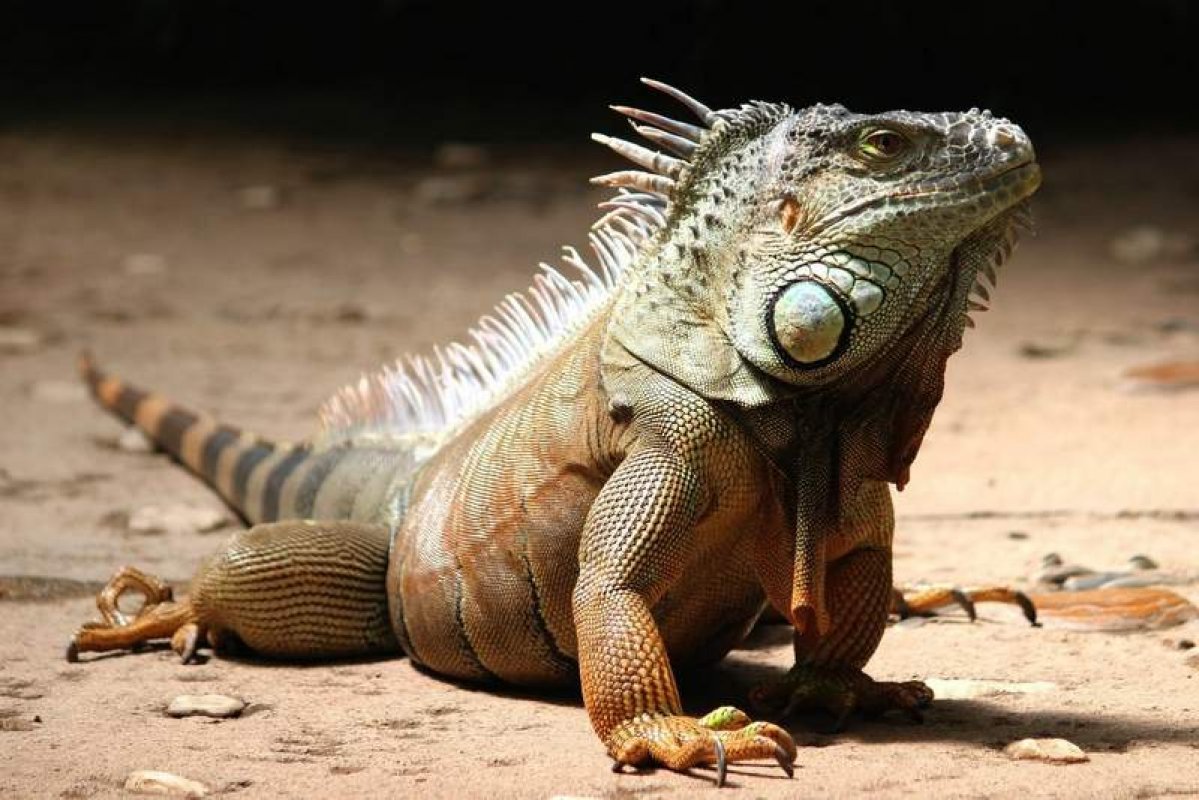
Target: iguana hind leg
x: 159, y: 616
x: 296, y: 589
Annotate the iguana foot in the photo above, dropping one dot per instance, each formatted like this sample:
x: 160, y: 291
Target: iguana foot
x: 926, y: 600
x: 159, y: 617
x: 724, y: 736
x: 841, y: 691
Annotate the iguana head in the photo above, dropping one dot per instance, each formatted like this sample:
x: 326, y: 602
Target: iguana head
x: 806, y: 244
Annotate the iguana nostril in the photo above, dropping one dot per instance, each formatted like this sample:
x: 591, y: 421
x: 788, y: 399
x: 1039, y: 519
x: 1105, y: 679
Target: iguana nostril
x: 809, y: 322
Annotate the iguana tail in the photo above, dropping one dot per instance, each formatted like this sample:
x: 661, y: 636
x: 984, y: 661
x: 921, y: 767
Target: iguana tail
x: 248, y: 472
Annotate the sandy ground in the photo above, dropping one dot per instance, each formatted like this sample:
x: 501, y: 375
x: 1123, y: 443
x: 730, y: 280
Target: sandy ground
x: 148, y: 249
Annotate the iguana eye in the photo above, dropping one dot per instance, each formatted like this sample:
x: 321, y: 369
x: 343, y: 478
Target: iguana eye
x: 881, y: 145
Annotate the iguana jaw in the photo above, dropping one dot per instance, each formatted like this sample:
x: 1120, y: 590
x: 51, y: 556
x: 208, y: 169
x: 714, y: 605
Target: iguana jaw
x: 1009, y: 184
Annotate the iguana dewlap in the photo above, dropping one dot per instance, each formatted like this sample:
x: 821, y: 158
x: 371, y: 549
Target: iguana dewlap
x: 625, y: 465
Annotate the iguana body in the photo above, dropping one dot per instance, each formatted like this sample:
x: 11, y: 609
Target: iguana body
x: 624, y: 470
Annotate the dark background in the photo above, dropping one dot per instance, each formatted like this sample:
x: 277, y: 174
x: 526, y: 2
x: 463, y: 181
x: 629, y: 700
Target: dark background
x: 404, y: 69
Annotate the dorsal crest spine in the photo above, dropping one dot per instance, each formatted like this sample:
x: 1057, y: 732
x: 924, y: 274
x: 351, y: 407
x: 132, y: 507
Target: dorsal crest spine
x: 421, y: 399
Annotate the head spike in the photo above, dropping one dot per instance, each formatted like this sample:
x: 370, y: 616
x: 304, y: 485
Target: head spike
x: 683, y: 129
x: 675, y: 144
x: 636, y: 179
x: 642, y: 157
x: 707, y: 115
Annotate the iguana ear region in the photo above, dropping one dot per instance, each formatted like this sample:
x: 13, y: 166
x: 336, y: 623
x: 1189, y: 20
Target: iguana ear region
x: 792, y: 216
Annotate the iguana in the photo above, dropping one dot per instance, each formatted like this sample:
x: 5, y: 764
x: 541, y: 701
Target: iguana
x: 626, y: 464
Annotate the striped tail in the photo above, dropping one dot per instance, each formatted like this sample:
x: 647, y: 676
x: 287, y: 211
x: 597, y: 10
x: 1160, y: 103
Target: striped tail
x: 246, y: 471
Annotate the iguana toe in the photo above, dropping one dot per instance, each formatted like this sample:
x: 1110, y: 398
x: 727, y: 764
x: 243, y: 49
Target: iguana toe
x: 840, y: 691
x: 721, y: 738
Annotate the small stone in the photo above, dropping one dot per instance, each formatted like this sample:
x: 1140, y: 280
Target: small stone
x: 1138, y: 245
x: 205, y: 705
x: 1018, y: 536
x: 452, y: 189
x: 19, y: 340
x: 1185, y: 644
x: 139, y: 264
x: 263, y: 197
x: 1051, y: 348
x: 459, y: 155
x: 351, y: 313
x: 148, y: 781
x: 1145, y: 243
x: 966, y: 688
x: 1141, y: 561
x: 1055, y: 751
x: 1094, y: 580
x: 178, y: 518
x: 59, y: 392
x: 133, y: 440
x: 1058, y: 574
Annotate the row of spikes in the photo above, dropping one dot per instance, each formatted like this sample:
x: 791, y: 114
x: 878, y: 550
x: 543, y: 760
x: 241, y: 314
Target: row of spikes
x: 680, y: 138
x: 431, y: 394
x: 980, y: 293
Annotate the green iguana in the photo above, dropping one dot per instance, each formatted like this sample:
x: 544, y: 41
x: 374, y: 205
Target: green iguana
x: 626, y: 465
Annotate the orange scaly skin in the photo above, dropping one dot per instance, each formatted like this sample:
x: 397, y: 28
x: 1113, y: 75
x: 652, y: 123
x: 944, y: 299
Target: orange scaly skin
x: 715, y: 435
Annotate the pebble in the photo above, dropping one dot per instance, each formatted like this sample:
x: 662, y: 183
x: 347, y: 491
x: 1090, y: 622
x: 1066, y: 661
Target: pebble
x: 144, y: 264
x: 176, y: 519
x: 205, y: 705
x: 966, y: 689
x: 1049, y: 348
x: 1141, y: 561
x: 1056, y: 751
x: 1060, y: 573
x: 451, y: 189
x: 1145, y: 243
x: 133, y: 440
x: 59, y: 391
x: 148, y: 781
x: 1094, y: 580
x: 1130, y: 581
x: 19, y: 340
x: 262, y: 197
x: 459, y: 155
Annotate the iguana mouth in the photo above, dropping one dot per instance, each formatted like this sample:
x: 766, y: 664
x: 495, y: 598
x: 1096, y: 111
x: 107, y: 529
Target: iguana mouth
x: 1023, y: 176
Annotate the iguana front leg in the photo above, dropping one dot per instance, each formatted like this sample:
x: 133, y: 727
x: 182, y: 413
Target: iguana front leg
x: 857, y: 593
x: 633, y: 548
x: 828, y: 673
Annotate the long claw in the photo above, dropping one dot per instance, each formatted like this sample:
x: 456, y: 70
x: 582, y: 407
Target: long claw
x: 966, y: 604
x: 780, y: 754
x: 722, y: 765
x: 1028, y: 607
x: 72, y: 651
